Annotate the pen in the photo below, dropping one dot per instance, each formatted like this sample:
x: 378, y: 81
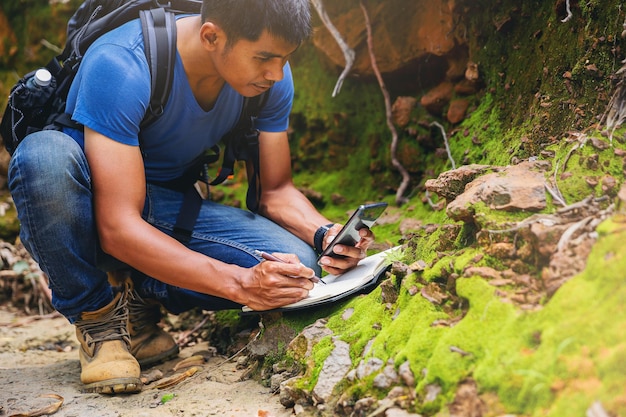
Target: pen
x: 270, y: 257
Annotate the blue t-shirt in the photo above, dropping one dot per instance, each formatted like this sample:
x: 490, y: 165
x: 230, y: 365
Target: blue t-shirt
x: 111, y: 92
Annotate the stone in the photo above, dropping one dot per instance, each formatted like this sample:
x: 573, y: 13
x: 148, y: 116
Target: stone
x: 401, y: 110
x: 435, y: 100
x: 451, y: 184
x: 457, y: 110
x: 302, y: 345
x: 429, y: 24
x: 515, y: 188
x: 368, y: 367
x: 406, y: 375
x: 466, y: 87
x: 334, y: 369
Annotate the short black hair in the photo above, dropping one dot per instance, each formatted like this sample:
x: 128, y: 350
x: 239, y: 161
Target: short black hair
x: 289, y: 20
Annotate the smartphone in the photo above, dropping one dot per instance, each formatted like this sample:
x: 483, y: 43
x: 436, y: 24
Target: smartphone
x: 364, y: 216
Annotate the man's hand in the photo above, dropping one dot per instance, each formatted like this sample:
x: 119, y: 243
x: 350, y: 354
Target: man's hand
x: 273, y: 284
x: 350, y: 255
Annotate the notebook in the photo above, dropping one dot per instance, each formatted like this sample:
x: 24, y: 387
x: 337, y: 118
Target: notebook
x: 363, y: 278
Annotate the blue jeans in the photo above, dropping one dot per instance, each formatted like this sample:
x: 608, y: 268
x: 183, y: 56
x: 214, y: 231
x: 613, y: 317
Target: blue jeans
x: 50, y: 183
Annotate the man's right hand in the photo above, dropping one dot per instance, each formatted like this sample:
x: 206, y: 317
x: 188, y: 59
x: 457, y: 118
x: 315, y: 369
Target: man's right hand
x: 270, y: 284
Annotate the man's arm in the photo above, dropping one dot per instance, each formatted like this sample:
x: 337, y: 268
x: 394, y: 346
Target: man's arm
x: 119, y: 193
x: 284, y: 204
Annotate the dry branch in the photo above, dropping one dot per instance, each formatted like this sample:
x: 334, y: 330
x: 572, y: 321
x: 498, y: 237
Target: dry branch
x: 400, y: 199
x: 445, y: 141
x: 348, y: 53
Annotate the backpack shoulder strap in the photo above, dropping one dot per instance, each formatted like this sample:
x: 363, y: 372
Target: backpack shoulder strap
x: 159, y: 33
x: 238, y: 140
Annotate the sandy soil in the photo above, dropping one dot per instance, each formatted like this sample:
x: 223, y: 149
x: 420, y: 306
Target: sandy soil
x: 40, y: 357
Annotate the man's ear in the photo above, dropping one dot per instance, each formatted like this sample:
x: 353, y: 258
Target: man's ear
x: 211, y: 35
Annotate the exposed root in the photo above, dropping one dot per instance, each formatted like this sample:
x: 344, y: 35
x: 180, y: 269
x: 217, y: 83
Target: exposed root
x: 348, y: 53
x: 400, y: 198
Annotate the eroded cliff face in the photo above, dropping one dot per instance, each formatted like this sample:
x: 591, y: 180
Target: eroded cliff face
x: 418, y: 43
x: 403, y: 33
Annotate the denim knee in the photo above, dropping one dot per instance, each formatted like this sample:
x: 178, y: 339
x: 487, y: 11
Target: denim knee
x: 47, y: 157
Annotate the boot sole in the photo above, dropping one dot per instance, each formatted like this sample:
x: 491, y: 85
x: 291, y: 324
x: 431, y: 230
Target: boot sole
x: 114, y: 386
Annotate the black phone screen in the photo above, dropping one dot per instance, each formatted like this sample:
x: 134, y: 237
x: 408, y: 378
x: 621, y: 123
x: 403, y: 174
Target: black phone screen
x: 365, y: 216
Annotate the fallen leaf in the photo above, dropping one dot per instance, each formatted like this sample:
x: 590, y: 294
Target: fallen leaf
x: 45, y: 411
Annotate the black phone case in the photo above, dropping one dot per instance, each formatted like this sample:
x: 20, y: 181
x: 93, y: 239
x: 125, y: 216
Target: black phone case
x: 365, y: 216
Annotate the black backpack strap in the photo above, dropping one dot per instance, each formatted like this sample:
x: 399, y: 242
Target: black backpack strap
x: 159, y: 34
x: 187, y: 216
x: 242, y: 143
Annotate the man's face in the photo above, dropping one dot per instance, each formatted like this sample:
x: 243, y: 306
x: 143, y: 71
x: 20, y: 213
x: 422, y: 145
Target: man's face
x: 253, y: 67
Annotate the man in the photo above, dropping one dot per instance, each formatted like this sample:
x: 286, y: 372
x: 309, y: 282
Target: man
x: 87, y: 196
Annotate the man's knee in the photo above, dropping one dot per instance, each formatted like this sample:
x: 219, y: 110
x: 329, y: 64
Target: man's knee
x: 47, y: 156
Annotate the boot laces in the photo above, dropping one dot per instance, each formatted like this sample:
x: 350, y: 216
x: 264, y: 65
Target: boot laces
x: 108, y: 326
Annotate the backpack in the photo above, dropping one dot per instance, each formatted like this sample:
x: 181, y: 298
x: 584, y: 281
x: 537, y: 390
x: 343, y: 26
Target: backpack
x: 91, y: 20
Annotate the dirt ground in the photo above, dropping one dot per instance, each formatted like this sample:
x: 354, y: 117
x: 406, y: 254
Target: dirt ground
x: 40, y: 357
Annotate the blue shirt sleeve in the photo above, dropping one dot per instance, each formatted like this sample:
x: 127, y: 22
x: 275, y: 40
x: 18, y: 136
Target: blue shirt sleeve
x: 112, y: 92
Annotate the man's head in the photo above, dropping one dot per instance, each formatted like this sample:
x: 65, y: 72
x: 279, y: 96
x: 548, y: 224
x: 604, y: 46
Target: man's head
x: 289, y: 20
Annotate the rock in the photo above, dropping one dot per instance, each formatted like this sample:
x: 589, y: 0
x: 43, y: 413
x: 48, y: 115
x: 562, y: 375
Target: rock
x: 389, y: 291
x: 301, y: 346
x: 466, y: 401
x: 387, y: 377
x: 436, y: 99
x: 428, y: 24
x: 277, y: 379
x: 471, y: 72
x: 334, y: 369
x: 398, y: 412
x: 368, y: 367
x: 483, y: 272
x: 466, y: 87
x: 401, y: 110
x: 599, y: 144
x: 457, y: 110
x: 544, y: 237
x: 609, y: 185
x: 450, y: 184
x: 406, y: 375
x: 363, y: 406
x: 515, y: 188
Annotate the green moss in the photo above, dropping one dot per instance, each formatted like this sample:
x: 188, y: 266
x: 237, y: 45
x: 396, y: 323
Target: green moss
x: 369, y: 316
x: 548, y: 359
x: 321, y: 351
x: 576, y: 163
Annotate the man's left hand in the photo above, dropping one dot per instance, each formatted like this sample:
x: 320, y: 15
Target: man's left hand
x: 350, y: 255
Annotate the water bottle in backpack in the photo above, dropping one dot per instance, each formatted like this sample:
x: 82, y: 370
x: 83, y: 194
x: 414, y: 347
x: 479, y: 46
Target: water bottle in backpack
x: 28, y: 102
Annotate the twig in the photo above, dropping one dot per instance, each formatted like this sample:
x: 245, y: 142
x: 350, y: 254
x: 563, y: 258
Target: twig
x: 51, y: 46
x: 569, y: 233
x: 569, y: 12
x: 400, y: 199
x: 348, y: 53
x: 234, y: 355
x: 556, y: 194
x: 445, y: 141
x: 184, y: 338
x: 430, y: 201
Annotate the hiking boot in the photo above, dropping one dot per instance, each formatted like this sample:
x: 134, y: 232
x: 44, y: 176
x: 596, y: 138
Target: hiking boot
x: 149, y: 343
x: 107, y: 366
